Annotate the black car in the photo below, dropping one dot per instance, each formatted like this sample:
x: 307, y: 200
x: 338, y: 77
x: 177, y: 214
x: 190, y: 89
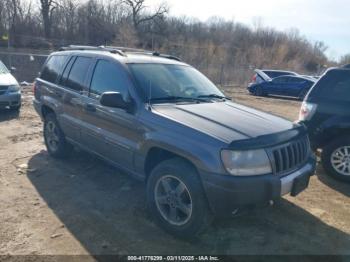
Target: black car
x: 326, y: 113
x: 165, y: 123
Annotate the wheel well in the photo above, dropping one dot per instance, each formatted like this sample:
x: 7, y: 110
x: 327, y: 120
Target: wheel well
x: 156, y: 155
x: 46, y: 110
x: 334, y: 133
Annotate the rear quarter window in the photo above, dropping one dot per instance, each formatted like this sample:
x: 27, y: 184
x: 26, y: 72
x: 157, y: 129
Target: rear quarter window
x: 78, y: 73
x: 53, y: 68
x: 3, y: 69
x: 335, y: 85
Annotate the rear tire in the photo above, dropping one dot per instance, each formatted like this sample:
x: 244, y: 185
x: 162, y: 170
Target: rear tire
x: 55, y: 141
x: 259, y: 91
x: 336, y: 159
x: 176, y: 199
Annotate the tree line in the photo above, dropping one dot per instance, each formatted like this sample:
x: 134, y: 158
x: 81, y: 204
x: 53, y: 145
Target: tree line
x: 222, y: 49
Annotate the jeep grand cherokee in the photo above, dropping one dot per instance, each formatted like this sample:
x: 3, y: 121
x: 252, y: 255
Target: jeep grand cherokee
x: 165, y: 123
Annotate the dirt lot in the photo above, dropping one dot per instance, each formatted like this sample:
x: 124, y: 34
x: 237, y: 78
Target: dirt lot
x: 83, y: 206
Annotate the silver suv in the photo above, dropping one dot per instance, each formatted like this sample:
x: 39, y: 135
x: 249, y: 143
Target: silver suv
x: 10, y: 92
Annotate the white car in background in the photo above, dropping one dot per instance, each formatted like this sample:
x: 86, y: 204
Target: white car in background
x: 10, y: 91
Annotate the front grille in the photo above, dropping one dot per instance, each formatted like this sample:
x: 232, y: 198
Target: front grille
x: 3, y: 89
x: 290, y: 156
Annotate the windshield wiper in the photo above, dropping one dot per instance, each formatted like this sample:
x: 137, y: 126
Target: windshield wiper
x: 177, y: 98
x: 214, y: 96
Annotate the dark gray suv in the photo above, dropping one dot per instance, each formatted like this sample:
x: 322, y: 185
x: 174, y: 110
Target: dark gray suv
x: 165, y: 123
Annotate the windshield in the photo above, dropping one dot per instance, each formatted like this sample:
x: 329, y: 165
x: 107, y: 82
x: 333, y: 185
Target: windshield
x: 3, y: 69
x: 161, y: 81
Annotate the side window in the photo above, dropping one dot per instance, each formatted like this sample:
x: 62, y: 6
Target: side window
x: 338, y: 86
x: 281, y: 80
x: 3, y: 69
x: 295, y: 80
x: 64, y: 77
x: 109, y: 77
x: 77, y: 75
x: 53, y: 68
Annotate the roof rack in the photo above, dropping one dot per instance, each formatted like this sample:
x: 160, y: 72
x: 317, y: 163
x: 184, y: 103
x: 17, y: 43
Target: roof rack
x: 93, y: 48
x: 118, y: 50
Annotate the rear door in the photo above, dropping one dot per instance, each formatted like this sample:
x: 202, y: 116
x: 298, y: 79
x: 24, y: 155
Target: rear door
x: 74, y: 83
x: 295, y: 86
x: 279, y: 85
x: 111, y: 132
x: 50, y: 93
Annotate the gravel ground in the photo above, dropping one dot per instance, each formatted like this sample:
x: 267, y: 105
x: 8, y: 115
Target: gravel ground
x: 83, y: 206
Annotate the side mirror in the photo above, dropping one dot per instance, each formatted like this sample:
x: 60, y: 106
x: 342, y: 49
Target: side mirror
x: 113, y: 99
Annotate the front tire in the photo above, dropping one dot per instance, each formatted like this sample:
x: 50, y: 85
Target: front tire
x: 336, y: 159
x: 176, y: 199
x: 55, y: 141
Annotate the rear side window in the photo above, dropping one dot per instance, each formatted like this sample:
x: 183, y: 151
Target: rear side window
x: 53, y: 68
x: 296, y: 80
x: 281, y: 80
x: 77, y: 75
x: 109, y: 77
x: 335, y: 85
x: 63, y: 79
x: 3, y: 69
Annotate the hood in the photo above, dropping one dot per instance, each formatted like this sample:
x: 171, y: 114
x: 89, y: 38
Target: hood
x: 7, y: 80
x: 226, y: 121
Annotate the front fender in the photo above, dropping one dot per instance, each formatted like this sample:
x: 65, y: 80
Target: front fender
x: 203, y: 155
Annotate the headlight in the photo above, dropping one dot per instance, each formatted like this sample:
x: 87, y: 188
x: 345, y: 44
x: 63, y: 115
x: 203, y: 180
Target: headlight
x: 13, y: 88
x: 246, y: 163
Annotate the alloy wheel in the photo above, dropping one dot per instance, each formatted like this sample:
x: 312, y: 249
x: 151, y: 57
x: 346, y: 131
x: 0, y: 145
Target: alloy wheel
x: 173, y: 200
x: 51, y: 135
x: 340, y: 160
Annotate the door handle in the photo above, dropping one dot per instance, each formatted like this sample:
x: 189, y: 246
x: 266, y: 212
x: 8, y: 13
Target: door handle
x: 90, y: 107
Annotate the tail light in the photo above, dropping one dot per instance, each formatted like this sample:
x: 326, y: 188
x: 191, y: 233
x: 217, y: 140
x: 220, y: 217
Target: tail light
x: 254, y: 78
x: 307, y: 111
x: 35, y: 89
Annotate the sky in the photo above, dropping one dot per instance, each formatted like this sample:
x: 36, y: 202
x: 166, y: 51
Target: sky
x: 318, y: 20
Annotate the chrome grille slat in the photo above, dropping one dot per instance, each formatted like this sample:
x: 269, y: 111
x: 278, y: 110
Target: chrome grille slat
x: 290, y: 156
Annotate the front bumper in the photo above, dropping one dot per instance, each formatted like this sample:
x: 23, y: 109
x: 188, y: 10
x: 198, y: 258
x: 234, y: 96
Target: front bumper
x: 226, y: 193
x: 10, y: 99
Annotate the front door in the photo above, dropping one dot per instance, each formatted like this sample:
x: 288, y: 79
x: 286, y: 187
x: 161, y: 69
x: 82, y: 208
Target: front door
x: 110, y: 132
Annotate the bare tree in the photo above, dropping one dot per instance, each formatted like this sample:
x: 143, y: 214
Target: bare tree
x: 140, y: 15
x: 345, y: 59
x: 47, y: 9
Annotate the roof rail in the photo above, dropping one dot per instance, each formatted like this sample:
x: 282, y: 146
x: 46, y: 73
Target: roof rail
x: 166, y: 56
x: 145, y: 52
x: 93, y: 48
x: 118, y: 50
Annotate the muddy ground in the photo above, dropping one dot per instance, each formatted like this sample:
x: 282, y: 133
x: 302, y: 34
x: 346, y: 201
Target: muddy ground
x: 83, y: 206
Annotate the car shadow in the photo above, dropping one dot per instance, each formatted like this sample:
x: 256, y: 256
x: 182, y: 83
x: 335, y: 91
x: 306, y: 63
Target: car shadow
x: 7, y: 114
x: 339, y: 186
x: 105, y: 210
